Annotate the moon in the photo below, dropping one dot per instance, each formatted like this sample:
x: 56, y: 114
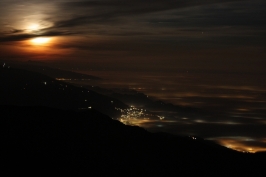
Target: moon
x: 34, y: 27
x: 40, y: 40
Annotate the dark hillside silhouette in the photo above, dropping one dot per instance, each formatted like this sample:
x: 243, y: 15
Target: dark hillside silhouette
x: 133, y: 97
x: 45, y: 139
x: 27, y: 88
x: 53, y: 72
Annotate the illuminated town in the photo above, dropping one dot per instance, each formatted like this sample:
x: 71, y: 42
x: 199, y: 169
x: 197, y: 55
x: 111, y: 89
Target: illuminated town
x: 136, y: 116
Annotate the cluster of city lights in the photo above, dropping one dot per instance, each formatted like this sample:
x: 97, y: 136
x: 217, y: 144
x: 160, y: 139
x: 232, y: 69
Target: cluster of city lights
x: 5, y: 66
x: 192, y: 137
x: 132, y: 115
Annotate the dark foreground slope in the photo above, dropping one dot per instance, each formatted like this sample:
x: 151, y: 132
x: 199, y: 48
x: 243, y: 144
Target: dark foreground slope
x: 53, y: 72
x: 27, y: 88
x: 39, y: 140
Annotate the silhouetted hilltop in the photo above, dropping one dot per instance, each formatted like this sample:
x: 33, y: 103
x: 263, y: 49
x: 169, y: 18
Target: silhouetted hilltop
x: 54, y: 72
x: 45, y: 139
x: 27, y: 88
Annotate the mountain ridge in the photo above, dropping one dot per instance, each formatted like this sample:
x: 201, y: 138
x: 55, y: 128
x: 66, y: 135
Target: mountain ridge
x: 53, y: 138
x: 27, y: 88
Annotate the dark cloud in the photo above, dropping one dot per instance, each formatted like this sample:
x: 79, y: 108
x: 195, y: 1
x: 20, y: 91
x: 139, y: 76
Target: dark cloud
x: 17, y: 31
x: 142, y: 27
x: 176, y: 19
x: 13, y: 36
x: 104, y: 10
x: 140, y: 6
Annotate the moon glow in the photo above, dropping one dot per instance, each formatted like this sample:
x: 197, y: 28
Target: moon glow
x: 40, y: 40
x: 34, y: 27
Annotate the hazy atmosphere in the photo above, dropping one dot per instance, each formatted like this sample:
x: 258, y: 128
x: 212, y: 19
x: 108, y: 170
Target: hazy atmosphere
x: 227, y: 35
x: 205, y: 56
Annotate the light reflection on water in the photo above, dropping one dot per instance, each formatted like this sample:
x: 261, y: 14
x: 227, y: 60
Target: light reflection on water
x: 236, y: 103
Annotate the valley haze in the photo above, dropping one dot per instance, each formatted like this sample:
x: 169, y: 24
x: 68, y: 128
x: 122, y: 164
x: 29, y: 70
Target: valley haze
x: 194, y: 70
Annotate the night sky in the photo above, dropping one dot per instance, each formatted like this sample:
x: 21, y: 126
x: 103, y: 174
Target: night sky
x: 165, y: 36
x: 172, y: 34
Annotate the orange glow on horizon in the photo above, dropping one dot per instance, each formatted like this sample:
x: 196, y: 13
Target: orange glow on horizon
x: 40, y: 40
x: 239, y: 145
x: 30, y: 50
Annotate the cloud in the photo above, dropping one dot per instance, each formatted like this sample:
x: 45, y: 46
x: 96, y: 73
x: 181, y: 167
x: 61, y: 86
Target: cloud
x: 106, y: 10
x: 13, y: 36
x: 153, y: 24
x: 14, y: 31
x: 175, y: 19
